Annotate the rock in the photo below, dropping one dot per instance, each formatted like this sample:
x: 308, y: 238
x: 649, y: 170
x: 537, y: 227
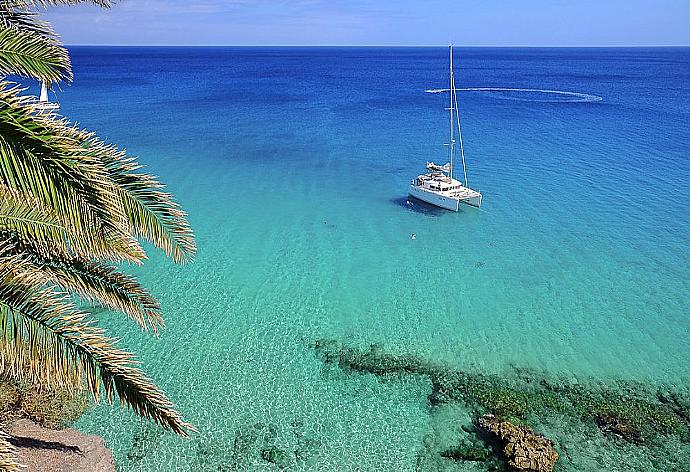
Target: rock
x: 67, y: 450
x: 610, y: 423
x: 522, y: 448
x: 467, y: 452
x: 245, y: 442
x: 276, y: 456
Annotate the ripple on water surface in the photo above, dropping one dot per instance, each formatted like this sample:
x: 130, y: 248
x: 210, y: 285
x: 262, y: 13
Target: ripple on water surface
x: 576, y: 266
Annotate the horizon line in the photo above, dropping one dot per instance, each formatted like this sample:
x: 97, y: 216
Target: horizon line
x: 619, y: 46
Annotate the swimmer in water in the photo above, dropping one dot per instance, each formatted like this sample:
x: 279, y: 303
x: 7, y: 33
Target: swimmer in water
x: 413, y: 236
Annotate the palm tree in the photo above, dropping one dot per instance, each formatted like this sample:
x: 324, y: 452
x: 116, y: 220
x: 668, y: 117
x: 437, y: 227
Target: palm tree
x: 72, y: 209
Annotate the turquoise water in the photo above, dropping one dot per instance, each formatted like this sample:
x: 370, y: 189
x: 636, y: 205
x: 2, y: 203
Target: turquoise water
x: 293, y: 163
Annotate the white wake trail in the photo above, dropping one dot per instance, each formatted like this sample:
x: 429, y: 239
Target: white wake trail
x: 579, y: 97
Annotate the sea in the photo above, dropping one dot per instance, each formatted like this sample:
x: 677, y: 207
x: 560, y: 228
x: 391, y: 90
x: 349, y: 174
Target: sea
x: 293, y: 164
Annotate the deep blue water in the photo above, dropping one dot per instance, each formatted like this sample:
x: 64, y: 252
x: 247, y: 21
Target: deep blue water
x: 293, y: 164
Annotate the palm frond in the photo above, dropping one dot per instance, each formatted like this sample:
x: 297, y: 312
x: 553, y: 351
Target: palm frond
x: 77, y: 205
x: 103, y: 284
x: 54, y: 338
x: 92, y: 281
x: 58, y: 3
x: 24, y: 220
x: 69, y: 203
x: 33, y: 4
x: 7, y: 454
x: 14, y: 14
x: 40, y: 157
x: 153, y: 213
x: 26, y: 53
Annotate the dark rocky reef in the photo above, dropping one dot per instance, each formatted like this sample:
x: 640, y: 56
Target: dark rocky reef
x: 144, y: 441
x: 524, y: 449
x: 618, y: 426
x: 258, y: 446
x: 259, y: 438
x: 636, y: 414
x: 631, y: 411
x: 468, y: 452
x: 276, y: 456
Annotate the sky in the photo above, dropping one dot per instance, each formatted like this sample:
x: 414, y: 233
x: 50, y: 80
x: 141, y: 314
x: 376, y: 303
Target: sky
x: 378, y: 22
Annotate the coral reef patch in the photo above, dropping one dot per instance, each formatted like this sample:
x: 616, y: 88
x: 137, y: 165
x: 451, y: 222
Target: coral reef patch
x: 524, y: 449
x: 625, y: 417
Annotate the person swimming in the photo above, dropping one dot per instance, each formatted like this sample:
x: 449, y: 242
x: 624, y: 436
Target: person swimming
x: 413, y: 236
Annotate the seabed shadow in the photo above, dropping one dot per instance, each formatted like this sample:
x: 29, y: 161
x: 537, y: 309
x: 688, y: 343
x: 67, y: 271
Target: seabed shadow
x: 419, y: 206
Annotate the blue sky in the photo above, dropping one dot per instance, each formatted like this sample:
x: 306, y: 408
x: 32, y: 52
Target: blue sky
x: 376, y: 22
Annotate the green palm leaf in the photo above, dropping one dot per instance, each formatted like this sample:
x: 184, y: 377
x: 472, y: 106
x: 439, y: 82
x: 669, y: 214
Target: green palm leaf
x: 26, y: 53
x: 71, y: 204
x: 40, y: 157
x: 103, y: 284
x: 55, y: 339
x: 25, y: 5
x: 24, y: 220
x: 92, y: 281
x: 7, y: 454
x: 80, y: 206
x: 54, y: 3
x: 14, y: 14
x: 152, y: 213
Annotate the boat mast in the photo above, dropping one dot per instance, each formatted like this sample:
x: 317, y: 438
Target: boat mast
x: 451, y: 144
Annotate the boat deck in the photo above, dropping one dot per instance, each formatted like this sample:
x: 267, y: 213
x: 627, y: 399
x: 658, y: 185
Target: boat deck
x: 464, y: 193
x: 444, y: 191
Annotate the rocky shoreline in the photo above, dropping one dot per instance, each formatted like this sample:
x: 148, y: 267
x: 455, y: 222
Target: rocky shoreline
x: 67, y: 450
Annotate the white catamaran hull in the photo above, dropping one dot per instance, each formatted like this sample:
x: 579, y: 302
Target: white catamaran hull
x: 433, y: 198
x: 475, y: 201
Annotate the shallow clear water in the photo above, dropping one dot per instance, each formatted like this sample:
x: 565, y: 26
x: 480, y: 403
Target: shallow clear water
x: 293, y: 164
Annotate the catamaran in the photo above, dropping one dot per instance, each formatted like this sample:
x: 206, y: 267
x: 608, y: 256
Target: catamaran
x: 438, y: 187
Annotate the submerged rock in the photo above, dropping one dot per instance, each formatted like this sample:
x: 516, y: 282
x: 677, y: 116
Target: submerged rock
x: 636, y: 412
x: 523, y: 448
x: 276, y: 456
x: 144, y: 441
x: 467, y: 452
x: 610, y: 423
x: 656, y: 420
